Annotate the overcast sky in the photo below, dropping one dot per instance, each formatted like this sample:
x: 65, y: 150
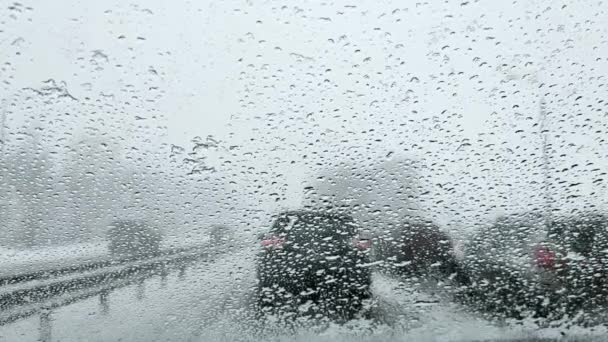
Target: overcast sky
x: 294, y: 86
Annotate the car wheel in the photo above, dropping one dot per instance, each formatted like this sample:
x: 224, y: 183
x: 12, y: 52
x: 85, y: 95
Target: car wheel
x: 347, y: 302
x: 273, y: 299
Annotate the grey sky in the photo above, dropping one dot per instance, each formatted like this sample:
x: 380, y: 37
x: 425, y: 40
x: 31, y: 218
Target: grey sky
x: 365, y: 80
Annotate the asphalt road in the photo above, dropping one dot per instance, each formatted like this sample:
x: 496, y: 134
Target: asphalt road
x: 212, y: 302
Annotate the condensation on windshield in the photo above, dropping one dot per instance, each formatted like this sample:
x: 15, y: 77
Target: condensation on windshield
x: 440, y: 170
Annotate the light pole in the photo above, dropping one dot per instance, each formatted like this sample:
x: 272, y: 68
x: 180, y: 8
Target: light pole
x: 546, y: 161
x: 533, y: 79
x: 3, y: 128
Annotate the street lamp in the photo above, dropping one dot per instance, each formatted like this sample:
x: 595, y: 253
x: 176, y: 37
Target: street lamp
x: 2, y: 127
x: 533, y: 79
x: 545, y: 160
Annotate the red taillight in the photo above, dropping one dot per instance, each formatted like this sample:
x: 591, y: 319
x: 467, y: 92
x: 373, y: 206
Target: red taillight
x: 545, y: 257
x: 273, y: 242
x: 362, y: 244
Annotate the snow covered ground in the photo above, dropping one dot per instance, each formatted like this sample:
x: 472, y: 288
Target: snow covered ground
x: 20, y: 261
x: 212, y: 302
x: 13, y: 261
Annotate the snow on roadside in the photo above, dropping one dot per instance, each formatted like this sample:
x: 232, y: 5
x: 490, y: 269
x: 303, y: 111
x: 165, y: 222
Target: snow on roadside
x: 13, y: 261
x: 19, y: 261
x: 178, y: 241
x: 426, y: 316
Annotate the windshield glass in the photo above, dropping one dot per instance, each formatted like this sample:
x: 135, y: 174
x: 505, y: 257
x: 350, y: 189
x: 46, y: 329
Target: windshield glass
x: 303, y: 170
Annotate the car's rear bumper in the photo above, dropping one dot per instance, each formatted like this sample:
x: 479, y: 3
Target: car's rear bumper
x: 315, y: 278
x: 298, y: 278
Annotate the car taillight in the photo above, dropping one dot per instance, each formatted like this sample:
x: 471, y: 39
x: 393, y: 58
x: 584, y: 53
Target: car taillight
x: 362, y: 244
x: 273, y: 242
x: 544, y: 257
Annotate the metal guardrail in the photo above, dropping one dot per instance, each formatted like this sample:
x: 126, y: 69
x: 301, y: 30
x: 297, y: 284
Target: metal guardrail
x: 109, y: 261
x: 23, y: 295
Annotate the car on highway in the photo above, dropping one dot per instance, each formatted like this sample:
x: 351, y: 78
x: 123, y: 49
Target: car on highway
x: 133, y: 239
x: 418, y: 248
x: 499, y: 262
x: 574, y: 260
x: 524, y: 265
x: 316, y: 262
x: 421, y: 170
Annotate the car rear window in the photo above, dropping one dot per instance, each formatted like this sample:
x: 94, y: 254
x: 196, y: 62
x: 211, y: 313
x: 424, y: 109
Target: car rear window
x: 319, y: 225
x: 581, y: 236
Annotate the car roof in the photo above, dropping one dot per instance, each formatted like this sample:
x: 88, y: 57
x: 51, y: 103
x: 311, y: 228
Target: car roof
x: 583, y: 220
x: 325, y: 213
x: 127, y: 222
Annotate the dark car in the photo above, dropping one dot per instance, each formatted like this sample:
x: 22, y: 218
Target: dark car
x: 133, y: 239
x: 418, y: 247
x: 574, y: 259
x: 500, y: 266
x: 314, y: 262
x: 524, y: 265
